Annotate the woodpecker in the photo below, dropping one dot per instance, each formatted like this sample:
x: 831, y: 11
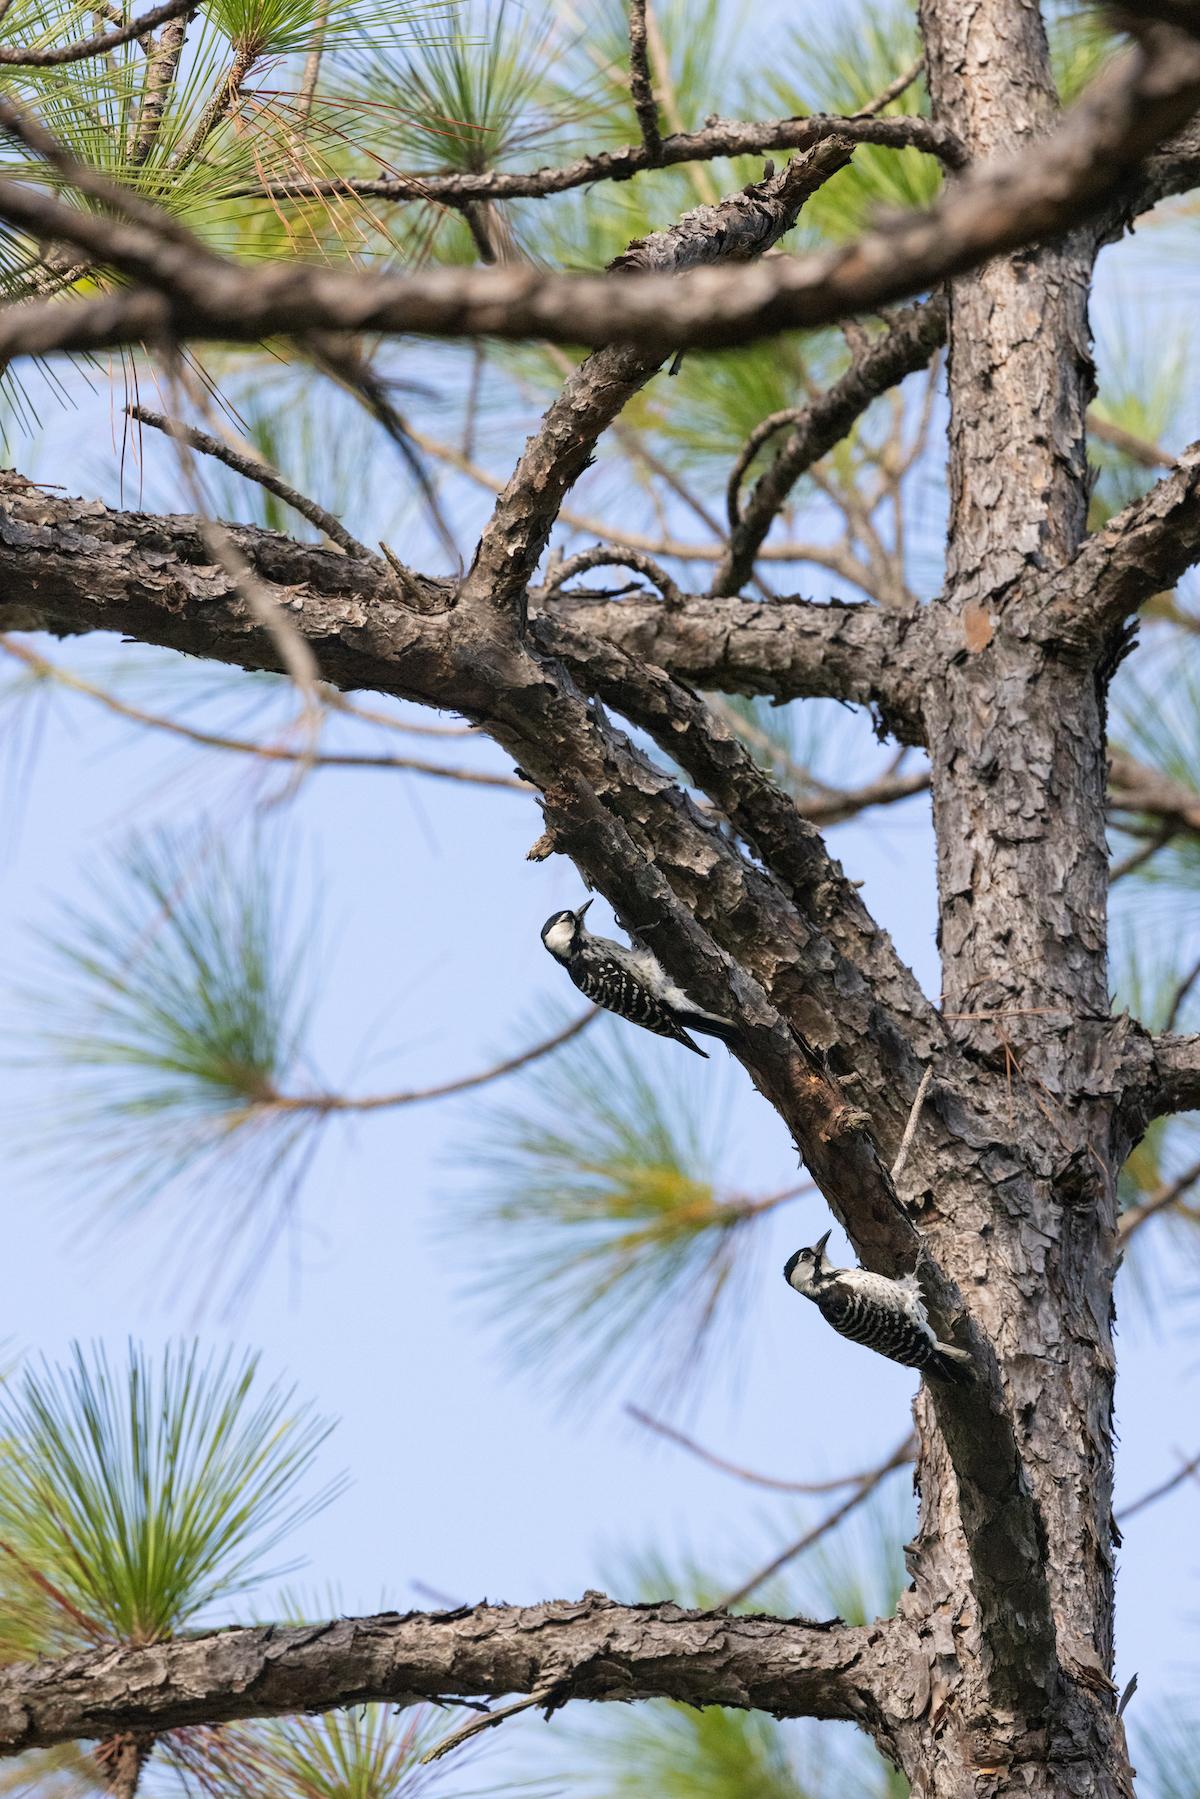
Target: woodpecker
x: 887, y: 1316
x: 629, y: 982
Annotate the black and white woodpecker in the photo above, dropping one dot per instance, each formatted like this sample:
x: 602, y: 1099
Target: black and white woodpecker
x: 629, y: 982
x: 887, y: 1316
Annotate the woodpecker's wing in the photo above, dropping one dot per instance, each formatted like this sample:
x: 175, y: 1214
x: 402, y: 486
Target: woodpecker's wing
x: 878, y: 1290
x: 651, y: 971
x: 610, y: 975
x: 889, y: 1317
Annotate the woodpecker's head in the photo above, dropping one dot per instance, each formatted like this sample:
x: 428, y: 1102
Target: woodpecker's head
x: 808, y: 1268
x: 563, y: 933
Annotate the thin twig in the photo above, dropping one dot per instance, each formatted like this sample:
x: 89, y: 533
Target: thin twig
x: 255, y: 470
x: 1139, y: 857
x: 242, y: 746
x: 607, y: 556
x: 486, y: 1720
x: 1160, y: 1492
x: 379, y: 1102
x: 641, y: 88
x: 892, y: 92
x: 899, y: 1456
x: 910, y: 1129
x: 1136, y: 1216
x: 775, y: 1484
x: 1180, y: 994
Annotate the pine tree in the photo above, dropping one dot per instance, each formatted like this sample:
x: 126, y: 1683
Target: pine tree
x: 736, y: 431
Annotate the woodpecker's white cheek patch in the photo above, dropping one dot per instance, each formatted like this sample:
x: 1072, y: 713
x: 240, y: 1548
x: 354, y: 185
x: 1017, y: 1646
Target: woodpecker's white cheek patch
x: 558, y: 937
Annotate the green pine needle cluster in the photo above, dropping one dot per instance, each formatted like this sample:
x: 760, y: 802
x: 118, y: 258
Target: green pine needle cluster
x: 169, y: 1017
x: 602, y: 1237
x: 133, y: 1499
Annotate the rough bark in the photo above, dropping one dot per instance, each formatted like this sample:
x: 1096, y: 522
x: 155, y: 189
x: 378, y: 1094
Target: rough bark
x: 589, y: 1649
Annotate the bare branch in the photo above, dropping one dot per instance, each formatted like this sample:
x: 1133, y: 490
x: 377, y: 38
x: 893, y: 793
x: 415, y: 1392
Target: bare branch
x: 324, y: 1103
x: 905, y: 346
x: 1039, y: 194
x: 788, y: 648
x: 910, y: 1129
x: 1182, y: 989
x: 606, y: 556
x: 1177, y: 1062
x: 902, y: 1454
x: 1135, y: 788
x: 1141, y: 551
x: 892, y: 91
x: 1182, y: 1473
x: 255, y: 470
x: 161, y: 69
x: 720, y: 138
x: 1148, y: 454
x: 725, y: 1466
x: 14, y: 56
x: 1161, y: 1200
x: 41, y: 667
x: 640, y: 86
x: 593, y: 1648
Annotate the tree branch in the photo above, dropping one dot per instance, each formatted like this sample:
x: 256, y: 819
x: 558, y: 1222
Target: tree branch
x: 15, y: 56
x: 720, y: 138
x: 1141, y: 551
x: 904, y: 347
x: 787, y: 648
x: 591, y: 1649
x: 1177, y: 1062
x: 1038, y: 195
x: 641, y: 87
x: 254, y: 469
x: 738, y: 229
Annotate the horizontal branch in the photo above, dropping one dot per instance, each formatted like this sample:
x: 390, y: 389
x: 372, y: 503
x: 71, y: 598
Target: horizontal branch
x: 22, y: 56
x: 591, y: 1649
x: 1142, y: 551
x: 786, y: 648
x: 324, y: 1103
x: 1037, y: 195
x: 1178, y: 1066
x: 719, y: 138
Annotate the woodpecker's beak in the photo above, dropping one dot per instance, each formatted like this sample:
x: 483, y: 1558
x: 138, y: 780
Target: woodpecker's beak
x: 819, y: 1248
x: 581, y: 911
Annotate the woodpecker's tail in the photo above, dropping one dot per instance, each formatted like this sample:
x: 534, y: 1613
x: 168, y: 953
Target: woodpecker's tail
x: 951, y: 1364
x: 709, y: 1025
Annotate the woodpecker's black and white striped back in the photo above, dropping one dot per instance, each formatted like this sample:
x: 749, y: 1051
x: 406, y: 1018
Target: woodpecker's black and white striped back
x: 617, y: 988
x: 884, y: 1315
x: 629, y: 982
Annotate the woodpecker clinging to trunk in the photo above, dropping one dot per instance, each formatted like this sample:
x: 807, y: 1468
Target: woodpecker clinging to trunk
x: 887, y: 1316
x: 629, y: 982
